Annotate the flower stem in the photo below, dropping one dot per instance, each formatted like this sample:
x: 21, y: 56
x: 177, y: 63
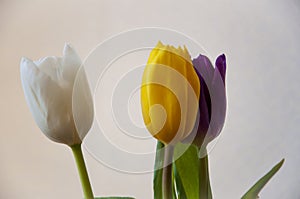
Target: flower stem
x: 167, y: 173
x: 84, y: 178
x: 204, y: 182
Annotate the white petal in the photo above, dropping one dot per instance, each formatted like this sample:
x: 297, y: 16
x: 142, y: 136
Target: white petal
x: 71, y: 63
x: 48, y: 86
x: 49, y: 103
x: 83, y: 110
x: 51, y: 66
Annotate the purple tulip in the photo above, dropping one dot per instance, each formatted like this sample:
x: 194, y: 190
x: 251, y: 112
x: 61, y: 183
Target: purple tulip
x: 212, y: 103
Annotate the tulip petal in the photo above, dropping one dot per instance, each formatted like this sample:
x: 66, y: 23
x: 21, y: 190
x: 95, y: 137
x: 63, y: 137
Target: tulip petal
x: 204, y: 109
x: 204, y: 67
x: 50, y: 66
x: 218, y: 99
x: 169, y: 80
x: 82, y: 104
x: 221, y: 66
x: 49, y: 104
x: 212, y: 103
x: 71, y: 63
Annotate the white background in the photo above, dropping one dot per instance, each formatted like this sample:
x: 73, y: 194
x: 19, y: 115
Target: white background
x: 260, y: 40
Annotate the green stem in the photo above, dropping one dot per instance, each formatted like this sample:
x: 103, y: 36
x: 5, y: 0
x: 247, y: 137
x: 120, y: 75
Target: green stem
x: 204, y: 182
x: 84, y: 178
x: 167, y: 173
x: 158, y: 168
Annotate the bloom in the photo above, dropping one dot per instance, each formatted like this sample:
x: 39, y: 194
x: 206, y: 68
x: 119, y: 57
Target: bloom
x: 48, y: 87
x: 212, y: 103
x: 169, y: 93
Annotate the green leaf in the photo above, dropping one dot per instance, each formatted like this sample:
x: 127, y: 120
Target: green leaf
x: 187, y: 171
x: 204, y: 182
x: 158, y: 171
x: 257, y: 187
x: 179, y: 187
x: 114, y: 197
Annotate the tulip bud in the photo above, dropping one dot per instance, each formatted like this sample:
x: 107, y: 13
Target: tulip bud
x: 169, y: 93
x: 48, y: 87
x: 212, y: 103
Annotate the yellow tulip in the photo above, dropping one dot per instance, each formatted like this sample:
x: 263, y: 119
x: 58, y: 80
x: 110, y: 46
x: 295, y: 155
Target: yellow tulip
x: 170, y: 93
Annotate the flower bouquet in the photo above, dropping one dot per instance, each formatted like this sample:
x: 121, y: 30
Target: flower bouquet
x: 183, y: 103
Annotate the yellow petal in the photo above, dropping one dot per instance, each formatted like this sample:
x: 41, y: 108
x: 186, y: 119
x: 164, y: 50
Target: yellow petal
x: 170, y: 83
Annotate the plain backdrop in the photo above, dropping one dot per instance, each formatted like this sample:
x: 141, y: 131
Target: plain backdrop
x: 261, y: 42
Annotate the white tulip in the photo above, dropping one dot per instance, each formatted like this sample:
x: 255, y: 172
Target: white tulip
x: 48, y: 86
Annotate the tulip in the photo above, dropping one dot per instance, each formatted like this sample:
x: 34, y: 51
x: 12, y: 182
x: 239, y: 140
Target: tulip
x: 212, y: 103
x: 48, y: 87
x: 169, y: 93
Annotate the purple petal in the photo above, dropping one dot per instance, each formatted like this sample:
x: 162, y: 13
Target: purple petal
x: 204, y: 113
x: 204, y: 67
x: 221, y: 66
x: 212, y: 103
x: 218, y: 99
x: 218, y: 110
x: 203, y: 118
